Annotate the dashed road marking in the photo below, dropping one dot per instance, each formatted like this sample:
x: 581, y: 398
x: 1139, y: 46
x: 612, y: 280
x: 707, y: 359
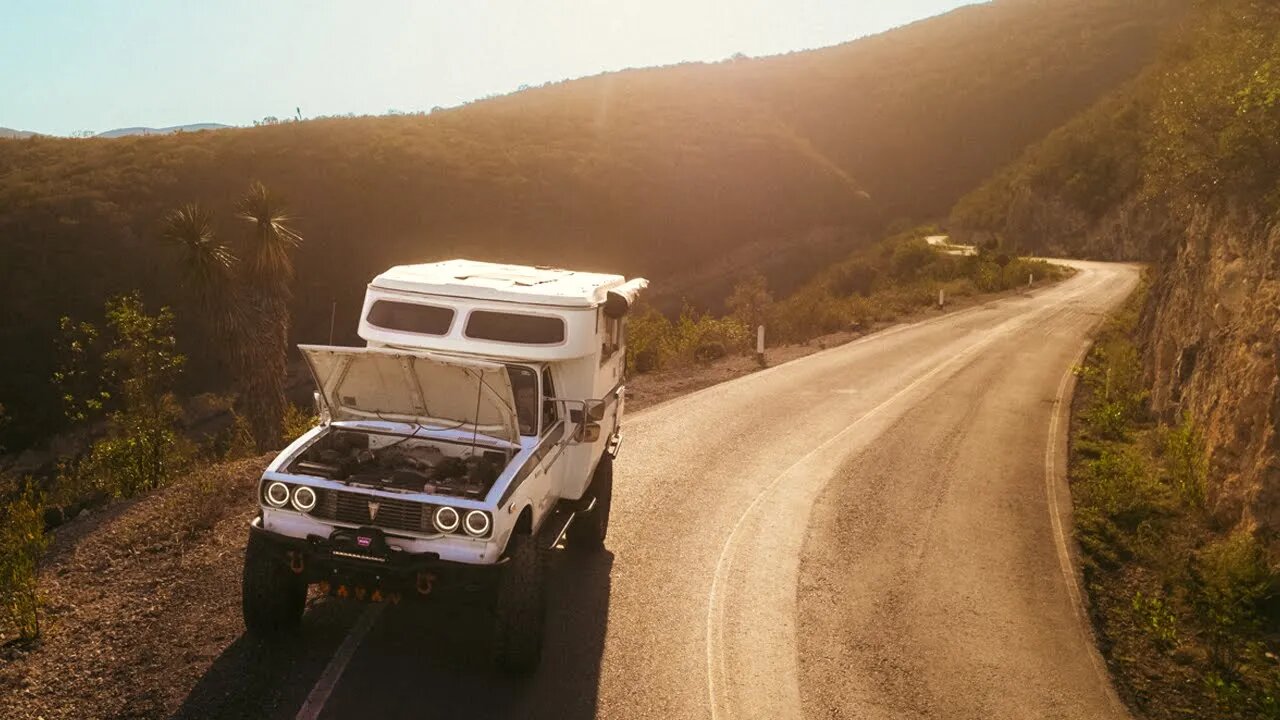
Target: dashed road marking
x: 319, y: 695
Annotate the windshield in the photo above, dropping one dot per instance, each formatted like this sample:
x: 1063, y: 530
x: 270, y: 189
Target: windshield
x: 524, y: 386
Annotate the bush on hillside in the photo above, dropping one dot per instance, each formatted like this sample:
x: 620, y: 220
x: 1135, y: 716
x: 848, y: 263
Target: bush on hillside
x: 22, y: 543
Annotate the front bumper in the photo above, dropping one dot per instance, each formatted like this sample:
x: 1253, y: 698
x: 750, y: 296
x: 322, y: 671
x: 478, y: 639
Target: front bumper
x: 365, y: 565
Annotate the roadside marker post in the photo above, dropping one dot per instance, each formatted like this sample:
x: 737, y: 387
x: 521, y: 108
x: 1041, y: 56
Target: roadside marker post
x: 942, y: 298
x: 760, y: 345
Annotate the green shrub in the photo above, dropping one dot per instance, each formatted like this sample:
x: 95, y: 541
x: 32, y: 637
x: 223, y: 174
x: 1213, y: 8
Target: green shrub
x: 1120, y: 486
x: 855, y: 278
x: 1234, y: 580
x: 648, y: 333
x: 1152, y: 614
x: 142, y: 448
x: 1108, y: 420
x: 296, y: 422
x: 1184, y: 461
x: 22, y: 542
x: 750, y: 302
x: 141, y: 452
x: 911, y: 259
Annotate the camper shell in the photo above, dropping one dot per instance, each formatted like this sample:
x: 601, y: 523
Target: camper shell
x: 474, y: 431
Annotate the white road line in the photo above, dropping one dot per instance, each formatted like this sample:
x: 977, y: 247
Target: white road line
x: 337, y: 664
x: 714, y: 624
x: 1061, y: 408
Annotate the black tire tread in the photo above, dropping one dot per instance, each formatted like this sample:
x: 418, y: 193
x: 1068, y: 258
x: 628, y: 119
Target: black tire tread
x: 589, y: 531
x: 521, y: 608
x: 272, y: 598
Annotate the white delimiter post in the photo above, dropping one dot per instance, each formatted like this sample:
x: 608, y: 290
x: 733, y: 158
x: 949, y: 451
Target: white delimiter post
x: 760, y: 343
x: 942, y: 298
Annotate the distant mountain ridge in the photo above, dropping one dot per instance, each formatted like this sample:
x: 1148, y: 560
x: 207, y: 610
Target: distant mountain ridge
x: 13, y: 134
x: 194, y: 127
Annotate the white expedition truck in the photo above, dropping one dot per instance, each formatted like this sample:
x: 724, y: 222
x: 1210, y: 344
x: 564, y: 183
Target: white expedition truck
x: 476, y: 430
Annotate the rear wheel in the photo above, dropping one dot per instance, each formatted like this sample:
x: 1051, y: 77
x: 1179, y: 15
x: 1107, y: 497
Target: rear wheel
x: 521, y: 608
x: 273, y: 597
x: 588, y: 530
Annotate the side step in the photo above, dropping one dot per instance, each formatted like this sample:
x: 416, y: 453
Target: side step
x: 557, y: 524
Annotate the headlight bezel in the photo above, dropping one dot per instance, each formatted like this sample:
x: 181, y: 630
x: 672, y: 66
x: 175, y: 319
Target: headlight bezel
x: 271, y: 501
x: 446, y: 527
x: 484, y: 531
x: 300, y: 506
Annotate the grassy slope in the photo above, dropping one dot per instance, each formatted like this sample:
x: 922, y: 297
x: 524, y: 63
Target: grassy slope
x: 1185, y: 608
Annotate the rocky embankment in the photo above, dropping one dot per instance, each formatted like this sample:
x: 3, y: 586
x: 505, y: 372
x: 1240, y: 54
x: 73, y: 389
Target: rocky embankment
x: 1211, y: 335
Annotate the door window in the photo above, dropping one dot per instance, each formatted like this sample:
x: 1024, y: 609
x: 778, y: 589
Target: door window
x: 550, y: 410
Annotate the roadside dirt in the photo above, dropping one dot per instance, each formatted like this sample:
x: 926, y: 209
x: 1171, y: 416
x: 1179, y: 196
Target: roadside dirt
x: 142, y: 597
x: 139, y: 597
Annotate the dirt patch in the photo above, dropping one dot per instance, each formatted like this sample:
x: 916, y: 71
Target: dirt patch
x: 139, y: 597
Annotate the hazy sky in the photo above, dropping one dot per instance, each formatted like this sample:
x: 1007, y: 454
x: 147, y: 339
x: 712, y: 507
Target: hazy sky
x: 94, y: 65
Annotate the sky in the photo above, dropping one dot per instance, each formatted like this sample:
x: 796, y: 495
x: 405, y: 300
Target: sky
x: 71, y: 66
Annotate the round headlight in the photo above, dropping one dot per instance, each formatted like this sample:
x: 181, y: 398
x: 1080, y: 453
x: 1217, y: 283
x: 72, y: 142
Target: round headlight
x: 477, y: 523
x: 304, y: 498
x: 277, y: 494
x: 445, y: 519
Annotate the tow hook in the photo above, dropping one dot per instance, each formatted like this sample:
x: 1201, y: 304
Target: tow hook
x: 425, y: 581
x: 296, y: 562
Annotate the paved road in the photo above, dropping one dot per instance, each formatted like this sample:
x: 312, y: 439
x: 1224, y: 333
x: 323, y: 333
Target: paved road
x: 874, y: 531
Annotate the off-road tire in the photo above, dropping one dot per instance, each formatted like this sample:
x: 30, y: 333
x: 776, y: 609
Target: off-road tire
x: 588, y: 531
x: 273, y: 598
x: 520, y: 609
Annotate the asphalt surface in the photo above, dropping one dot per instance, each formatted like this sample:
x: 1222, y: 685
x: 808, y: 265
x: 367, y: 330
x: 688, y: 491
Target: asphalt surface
x: 875, y: 531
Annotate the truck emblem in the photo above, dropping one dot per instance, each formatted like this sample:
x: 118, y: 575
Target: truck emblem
x: 373, y: 510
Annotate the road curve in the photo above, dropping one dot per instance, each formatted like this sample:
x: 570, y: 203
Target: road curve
x: 874, y: 531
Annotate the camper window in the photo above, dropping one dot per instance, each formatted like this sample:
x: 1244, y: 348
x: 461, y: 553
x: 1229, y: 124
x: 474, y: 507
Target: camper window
x: 515, y: 328
x: 411, y: 317
x: 611, y: 342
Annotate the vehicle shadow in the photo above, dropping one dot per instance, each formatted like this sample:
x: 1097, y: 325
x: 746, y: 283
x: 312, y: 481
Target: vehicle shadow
x: 423, y: 659
x: 440, y: 661
x: 252, y: 678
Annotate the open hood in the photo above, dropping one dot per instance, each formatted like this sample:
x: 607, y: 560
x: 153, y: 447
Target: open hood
x: 418, y: 387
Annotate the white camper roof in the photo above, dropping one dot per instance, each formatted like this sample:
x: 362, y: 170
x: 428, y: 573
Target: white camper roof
x: 494, y: 281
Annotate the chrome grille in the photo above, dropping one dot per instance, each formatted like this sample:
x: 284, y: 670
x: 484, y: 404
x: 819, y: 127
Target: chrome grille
x: 354, y: 509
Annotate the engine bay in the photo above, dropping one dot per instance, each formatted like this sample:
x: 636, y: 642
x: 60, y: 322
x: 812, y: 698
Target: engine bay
x: 401, y: 463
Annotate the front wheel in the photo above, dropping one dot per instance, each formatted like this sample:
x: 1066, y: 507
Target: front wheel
x: 588, y: 531
x: 521, y: 608
x: 273, y: 597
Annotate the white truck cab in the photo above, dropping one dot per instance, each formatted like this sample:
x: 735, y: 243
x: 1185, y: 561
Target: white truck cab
x: 475, y: 431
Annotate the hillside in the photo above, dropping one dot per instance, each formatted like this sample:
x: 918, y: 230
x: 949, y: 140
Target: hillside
x: 1179, y: 511
x: 686, y: 174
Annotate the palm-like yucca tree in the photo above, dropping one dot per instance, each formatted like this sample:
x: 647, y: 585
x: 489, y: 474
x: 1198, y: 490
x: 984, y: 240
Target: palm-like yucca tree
x: 267, y: 285
x: 208, y: 267
x: 273, y: 239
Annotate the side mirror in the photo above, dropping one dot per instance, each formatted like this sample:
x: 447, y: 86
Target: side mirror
x: 591, y: 411
x: 587, y: 434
